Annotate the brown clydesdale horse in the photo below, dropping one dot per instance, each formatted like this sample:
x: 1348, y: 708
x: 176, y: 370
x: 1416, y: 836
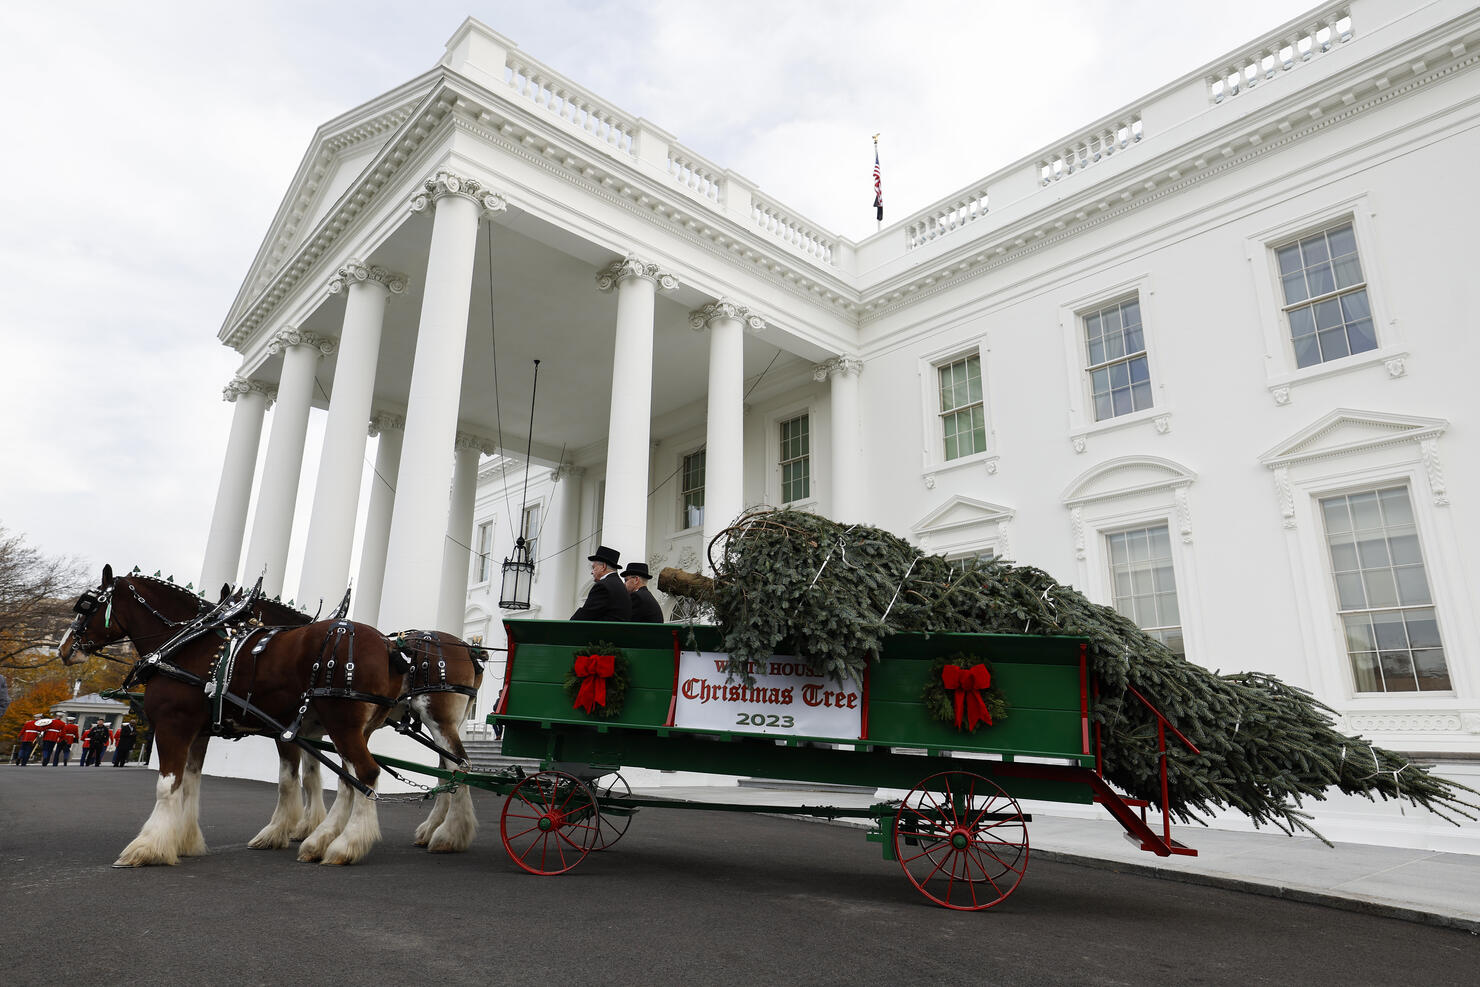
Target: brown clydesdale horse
x: 351, y: 665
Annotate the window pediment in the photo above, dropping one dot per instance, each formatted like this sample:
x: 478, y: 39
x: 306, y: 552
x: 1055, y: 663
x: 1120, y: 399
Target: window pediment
x: 1126, y: 476
x: 960, y: 512
x: 1345, y: 431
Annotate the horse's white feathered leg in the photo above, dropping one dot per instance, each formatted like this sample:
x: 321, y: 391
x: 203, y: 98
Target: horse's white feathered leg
x: 158, y: 841
x: 287, y: 816
x: 362, y: 832
x: 328, y: 831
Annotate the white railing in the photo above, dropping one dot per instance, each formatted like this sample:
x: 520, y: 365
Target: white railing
x: 773, y: 219
x: 698, y: 178
x: 946, y: 217
x: 1090, y: 148
x: 1279, y: 53
x: 569, y: 102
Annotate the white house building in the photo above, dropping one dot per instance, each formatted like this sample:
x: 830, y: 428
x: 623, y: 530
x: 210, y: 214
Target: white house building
x: 1207, y: 359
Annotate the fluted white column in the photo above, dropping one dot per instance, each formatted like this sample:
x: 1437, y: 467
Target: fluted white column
x: 724, y: 434
x: 267, y: 552
x: 457, y: 557
x: 366, y: 600
x: 336, y: 496
x: 849, y: 500
x: 624, y: 525
x: 229, y: 518
x: 560, y: 543
x: 419, y: 521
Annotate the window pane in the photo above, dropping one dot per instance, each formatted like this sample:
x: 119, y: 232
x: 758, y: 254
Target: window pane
x: 1359, y: 633
x: 1343, y: 241
x: 1313, y: 250
x: 1131, y: 313
x: 1382, y: 588
x: 1349, y: 593
x: 1396, y: 508
x: 1403, y: 549
x: 1320, y: 280
x: 1348, y: 271
x: 1397, y: 671
x: 1366, y: 515
x: 1354, y: 306
x: 1302, y: 321
x: 1432, y: 670
x: 1365, y: 671
x: 1389, y: 628
x: 1336, y: 514
x: 1361, y: 337
x: 1289, y: 259
x: 1294, y: 286
x: 1423, y: 629
x: 1328, y: 314
x: 1413, y: 587
x: 1307, y: 351
x: 1333, y: 344
x: 1372, y: 552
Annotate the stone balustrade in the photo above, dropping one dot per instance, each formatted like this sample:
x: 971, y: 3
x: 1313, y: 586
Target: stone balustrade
x: 693, y: 174
x: 946, y: 217
x: 569, y: 102
x: 774, y: 219
x: 1090, y: 148
x: 1273, y: 56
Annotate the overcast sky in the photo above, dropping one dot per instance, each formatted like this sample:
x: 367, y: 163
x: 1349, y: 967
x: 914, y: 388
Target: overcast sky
x: 150, y: 142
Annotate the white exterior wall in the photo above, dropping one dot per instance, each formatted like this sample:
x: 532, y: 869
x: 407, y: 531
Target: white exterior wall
x: 1377, y: 124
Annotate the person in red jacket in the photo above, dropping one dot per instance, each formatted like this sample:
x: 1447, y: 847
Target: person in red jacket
x: 51, y: 733
x: 69, y: 737
x: 29, y: 733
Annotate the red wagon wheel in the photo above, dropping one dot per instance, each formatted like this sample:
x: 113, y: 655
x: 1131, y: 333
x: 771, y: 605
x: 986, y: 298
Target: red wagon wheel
x: 614, y: 819
x: 962, y: 840
x: 550, y: 822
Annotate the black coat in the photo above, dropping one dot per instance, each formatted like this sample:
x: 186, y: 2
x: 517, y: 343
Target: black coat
x: 645, y: 608
x: 607, y: 601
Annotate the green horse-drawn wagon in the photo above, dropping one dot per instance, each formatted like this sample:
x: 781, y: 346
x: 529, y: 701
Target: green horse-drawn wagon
x: 967, y: 724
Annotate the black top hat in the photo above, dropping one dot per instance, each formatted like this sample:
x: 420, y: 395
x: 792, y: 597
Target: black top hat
x: 638, y: 569
x: 607, y: 556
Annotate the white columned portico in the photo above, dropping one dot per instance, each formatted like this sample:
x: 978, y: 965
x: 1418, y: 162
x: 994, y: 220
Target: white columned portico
x: 724, y: 434
x: 267, y: 552
x: 561, y: 536
x: 624, y: 524
x: 457, y: 556
x: 336, y: 497
x: 366, y: 600
x: 848, y: 491
x: 229, y: 518
x: 419, y: 521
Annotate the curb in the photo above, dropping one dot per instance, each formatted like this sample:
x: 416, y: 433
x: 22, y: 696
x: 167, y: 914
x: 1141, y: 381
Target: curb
x: 1309, y: 896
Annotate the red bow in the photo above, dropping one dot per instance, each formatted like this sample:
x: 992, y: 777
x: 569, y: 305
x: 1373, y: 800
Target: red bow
x: 967, y: 684
x: 593, y: 671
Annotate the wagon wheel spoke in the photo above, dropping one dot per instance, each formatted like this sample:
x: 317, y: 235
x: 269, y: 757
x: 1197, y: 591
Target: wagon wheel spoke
x: 549, y: 823
x: 614, y: 818
x: 961, y: 840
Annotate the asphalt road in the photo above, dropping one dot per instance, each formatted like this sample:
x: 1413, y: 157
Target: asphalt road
x: 687, y: 896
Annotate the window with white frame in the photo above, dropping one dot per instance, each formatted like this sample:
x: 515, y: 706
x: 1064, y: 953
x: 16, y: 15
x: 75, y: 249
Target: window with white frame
x: 691, y: 491
x: 1382, y: 592
x: 1144, y: 584
x: 1326, y: 305
x: 529, y: 529
x: 1118, y: 371
x: 482, y: 564
x: 962, y: 414
x: 961, y: 563
x: 795, y: 459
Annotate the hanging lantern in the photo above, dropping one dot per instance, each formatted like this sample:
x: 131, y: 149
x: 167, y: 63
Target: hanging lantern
x: 518, y: 578
x: 519, y: 569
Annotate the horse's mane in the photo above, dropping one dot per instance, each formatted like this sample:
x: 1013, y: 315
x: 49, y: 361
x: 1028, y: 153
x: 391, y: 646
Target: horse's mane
x: 276, y: 613
x: 168, y: 584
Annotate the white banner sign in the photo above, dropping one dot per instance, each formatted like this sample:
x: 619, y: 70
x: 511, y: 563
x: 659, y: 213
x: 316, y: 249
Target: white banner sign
x: 784, y: 699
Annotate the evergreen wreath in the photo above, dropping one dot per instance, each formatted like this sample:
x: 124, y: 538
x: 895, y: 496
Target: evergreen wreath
x: 606, y: 694
x: 940, y: 702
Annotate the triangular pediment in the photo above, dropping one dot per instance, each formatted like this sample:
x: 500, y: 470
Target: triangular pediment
x: 960, y: 512
x: 1345, y: 430
x: 1127, y: 475
x: 338, y: 157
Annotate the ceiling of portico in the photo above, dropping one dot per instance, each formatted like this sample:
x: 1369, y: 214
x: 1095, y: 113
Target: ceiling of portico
x: 544, y: 305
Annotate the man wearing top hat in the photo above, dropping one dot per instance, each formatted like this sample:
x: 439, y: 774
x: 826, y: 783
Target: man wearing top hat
x: 608, y: 598
x: 645, y: 608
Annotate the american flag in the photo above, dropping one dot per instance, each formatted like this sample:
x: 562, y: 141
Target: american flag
x: 878, y: 188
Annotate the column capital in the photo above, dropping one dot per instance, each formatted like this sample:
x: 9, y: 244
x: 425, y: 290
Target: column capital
x: 290, y: 337
x: 836, y: 367
x: 566, y: 471
x: 467, y: 440
x: 242, y: 385
x: 445, y: 183
x: 631, y: 267
x: 724, y: 308
x: 387, y: 421
x: 354, y: 272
